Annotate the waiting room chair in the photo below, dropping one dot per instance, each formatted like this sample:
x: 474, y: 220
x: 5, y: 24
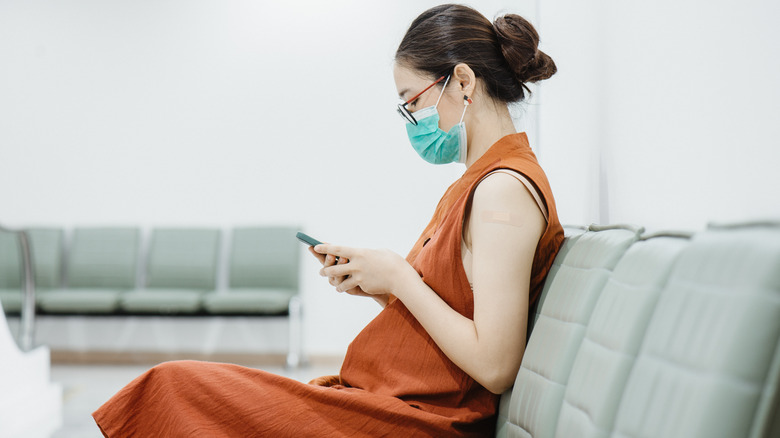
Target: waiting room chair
x: 263, y: 279
x: 10, y: 272
x: 181, y: 266
x: 46, y: 252
x: 263, y: 272
x: 101, y: 265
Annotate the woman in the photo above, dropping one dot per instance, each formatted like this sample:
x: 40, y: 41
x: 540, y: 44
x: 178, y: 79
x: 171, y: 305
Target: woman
x: 452, y: 333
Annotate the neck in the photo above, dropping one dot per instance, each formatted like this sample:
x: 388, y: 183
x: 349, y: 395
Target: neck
x: 484, y: 128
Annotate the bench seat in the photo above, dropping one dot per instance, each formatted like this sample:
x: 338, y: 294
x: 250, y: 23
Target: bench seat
x: 661, y: 335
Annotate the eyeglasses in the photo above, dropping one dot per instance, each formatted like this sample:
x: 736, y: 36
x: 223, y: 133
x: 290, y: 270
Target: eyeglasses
x: 404, y: 112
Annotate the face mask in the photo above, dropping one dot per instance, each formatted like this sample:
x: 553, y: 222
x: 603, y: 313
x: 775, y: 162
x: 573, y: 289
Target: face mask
x: 431, y: 142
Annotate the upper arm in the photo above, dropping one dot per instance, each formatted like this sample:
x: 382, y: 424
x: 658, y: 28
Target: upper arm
x: 505, y: 225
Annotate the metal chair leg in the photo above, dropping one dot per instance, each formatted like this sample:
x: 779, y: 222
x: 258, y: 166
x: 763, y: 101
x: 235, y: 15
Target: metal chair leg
x: 295, y: 344
x: 28, y: 305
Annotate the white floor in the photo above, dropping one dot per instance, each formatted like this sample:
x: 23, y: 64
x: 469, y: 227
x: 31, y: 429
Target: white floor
x: 86, y: 387
x: 181, y: 334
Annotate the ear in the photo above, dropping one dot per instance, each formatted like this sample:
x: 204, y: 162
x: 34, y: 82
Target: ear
x: 464, y: 77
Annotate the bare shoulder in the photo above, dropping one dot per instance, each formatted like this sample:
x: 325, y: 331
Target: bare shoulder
x: 503, y: 190
x: 504, y: 206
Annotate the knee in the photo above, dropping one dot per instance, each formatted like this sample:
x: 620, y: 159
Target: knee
x: 169, y: 370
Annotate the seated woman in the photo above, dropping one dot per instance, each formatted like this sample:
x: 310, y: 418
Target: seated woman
x: 452, y: 333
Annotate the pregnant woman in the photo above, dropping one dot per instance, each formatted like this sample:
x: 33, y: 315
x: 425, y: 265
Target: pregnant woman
x: 452, y: 333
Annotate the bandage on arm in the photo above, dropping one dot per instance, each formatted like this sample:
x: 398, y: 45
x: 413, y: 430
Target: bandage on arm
x: 505, y: 217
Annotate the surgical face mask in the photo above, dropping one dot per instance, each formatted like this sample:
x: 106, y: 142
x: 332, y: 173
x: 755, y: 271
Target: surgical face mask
x: 431, y: 142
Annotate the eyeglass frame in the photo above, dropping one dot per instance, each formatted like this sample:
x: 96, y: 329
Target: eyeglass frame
x: 405, y: 113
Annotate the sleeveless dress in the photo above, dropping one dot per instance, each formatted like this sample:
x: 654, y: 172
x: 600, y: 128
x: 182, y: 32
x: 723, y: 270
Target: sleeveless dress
x: 394, y: 381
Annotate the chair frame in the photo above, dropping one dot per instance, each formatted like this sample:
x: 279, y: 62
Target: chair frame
x: 27, y: 332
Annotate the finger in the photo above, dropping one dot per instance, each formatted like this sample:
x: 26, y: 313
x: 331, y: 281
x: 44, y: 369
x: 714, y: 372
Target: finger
x: 358, y: 292
x: 343, y: 261
x: 330, y: 260
x: 327, y: 248
x: 349, y: 283
x: 319, y: 256
x: 340, y: 270
x: 325, y: 261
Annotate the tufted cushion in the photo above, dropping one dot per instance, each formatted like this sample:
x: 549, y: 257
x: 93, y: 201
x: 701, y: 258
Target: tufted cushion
x: 613, y: 337
x: 580, y: 274
x: 681, y: 339
x: 704, y: 367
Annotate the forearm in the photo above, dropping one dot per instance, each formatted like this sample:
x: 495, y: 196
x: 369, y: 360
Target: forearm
x: 382, y: 299
x: 456, y: 335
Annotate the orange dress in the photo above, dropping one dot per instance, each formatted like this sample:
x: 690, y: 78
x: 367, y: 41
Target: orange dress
x: 395, y: 381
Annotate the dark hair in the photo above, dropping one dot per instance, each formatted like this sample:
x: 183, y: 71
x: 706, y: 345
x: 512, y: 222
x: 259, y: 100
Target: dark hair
x: 504, y: 54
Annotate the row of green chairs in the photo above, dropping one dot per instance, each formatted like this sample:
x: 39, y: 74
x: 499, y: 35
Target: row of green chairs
x: 97, y: 272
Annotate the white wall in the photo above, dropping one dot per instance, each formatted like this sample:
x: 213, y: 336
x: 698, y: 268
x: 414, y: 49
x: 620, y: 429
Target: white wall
x: 212, y: 113
x: 678, y: 99
x: 244, y: 112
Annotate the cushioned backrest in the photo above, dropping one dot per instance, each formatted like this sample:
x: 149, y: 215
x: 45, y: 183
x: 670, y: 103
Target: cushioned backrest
x: 103, y: 257
x: 536, y: 398
x: 46, y: 251
x: 183, y: 258
x: 264, y: 257
x: 10, y: 261
x: 572, y: 235
x: 613, y: 338
x: 708, y: 363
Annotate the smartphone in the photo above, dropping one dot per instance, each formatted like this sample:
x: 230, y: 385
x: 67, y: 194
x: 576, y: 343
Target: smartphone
x: 308, y: 240
x: 305, y: 238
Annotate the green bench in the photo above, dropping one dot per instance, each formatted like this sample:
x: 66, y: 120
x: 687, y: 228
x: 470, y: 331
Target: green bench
x: 105, y: 271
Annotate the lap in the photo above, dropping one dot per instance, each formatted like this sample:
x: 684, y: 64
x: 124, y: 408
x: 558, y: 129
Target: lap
x: 192, y: 398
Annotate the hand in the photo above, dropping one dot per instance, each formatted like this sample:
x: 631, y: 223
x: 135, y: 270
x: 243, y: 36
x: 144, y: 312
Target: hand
x: 328, y: 260
x: 373, y: 271
x: 326, y: 381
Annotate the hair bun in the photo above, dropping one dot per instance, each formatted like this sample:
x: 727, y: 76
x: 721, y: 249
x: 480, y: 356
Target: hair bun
x: 519, y: 43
